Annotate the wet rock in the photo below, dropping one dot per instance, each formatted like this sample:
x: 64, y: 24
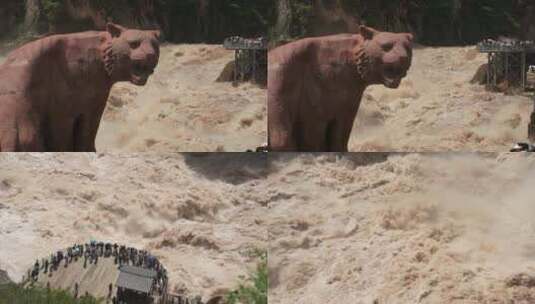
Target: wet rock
x: 4, y: 278
x: 521, y: 279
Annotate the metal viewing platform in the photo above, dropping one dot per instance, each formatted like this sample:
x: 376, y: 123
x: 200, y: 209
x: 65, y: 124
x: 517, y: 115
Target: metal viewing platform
x: 507, y: 61
x: 250, y: 56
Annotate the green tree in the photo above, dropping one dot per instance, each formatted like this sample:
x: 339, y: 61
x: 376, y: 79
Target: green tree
x: 53, y: 10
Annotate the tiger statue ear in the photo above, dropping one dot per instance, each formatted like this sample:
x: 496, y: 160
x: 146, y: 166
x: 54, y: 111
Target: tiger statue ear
x: 367, y: 32
x: 114, y: 29
x: 157, y: 35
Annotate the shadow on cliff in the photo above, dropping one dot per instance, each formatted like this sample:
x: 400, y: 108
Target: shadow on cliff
x: 4, y: 277
x: 232, y: 168
x: 353, y: 159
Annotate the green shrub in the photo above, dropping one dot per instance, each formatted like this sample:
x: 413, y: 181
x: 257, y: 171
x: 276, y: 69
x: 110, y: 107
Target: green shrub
x: 53, y: 10
x: 302, y: 14
x: 15, y: 294
x: 254, y: 289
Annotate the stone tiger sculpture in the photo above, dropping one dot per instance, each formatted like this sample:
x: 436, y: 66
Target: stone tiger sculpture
x: 53, y: 91
x: 315, y: 85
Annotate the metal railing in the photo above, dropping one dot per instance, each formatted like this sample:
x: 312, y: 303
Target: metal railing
x: 492, y: 46
x: 239, y: 43
x: 507, y: 60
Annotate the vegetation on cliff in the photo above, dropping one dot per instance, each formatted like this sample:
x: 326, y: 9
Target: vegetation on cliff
x: 435, y: 22
x: 179, y: 20
x: 15, y: 294
x: 254, y: 289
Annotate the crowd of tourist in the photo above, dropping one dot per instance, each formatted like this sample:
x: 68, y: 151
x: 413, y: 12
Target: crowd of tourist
x: 90, y: 253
